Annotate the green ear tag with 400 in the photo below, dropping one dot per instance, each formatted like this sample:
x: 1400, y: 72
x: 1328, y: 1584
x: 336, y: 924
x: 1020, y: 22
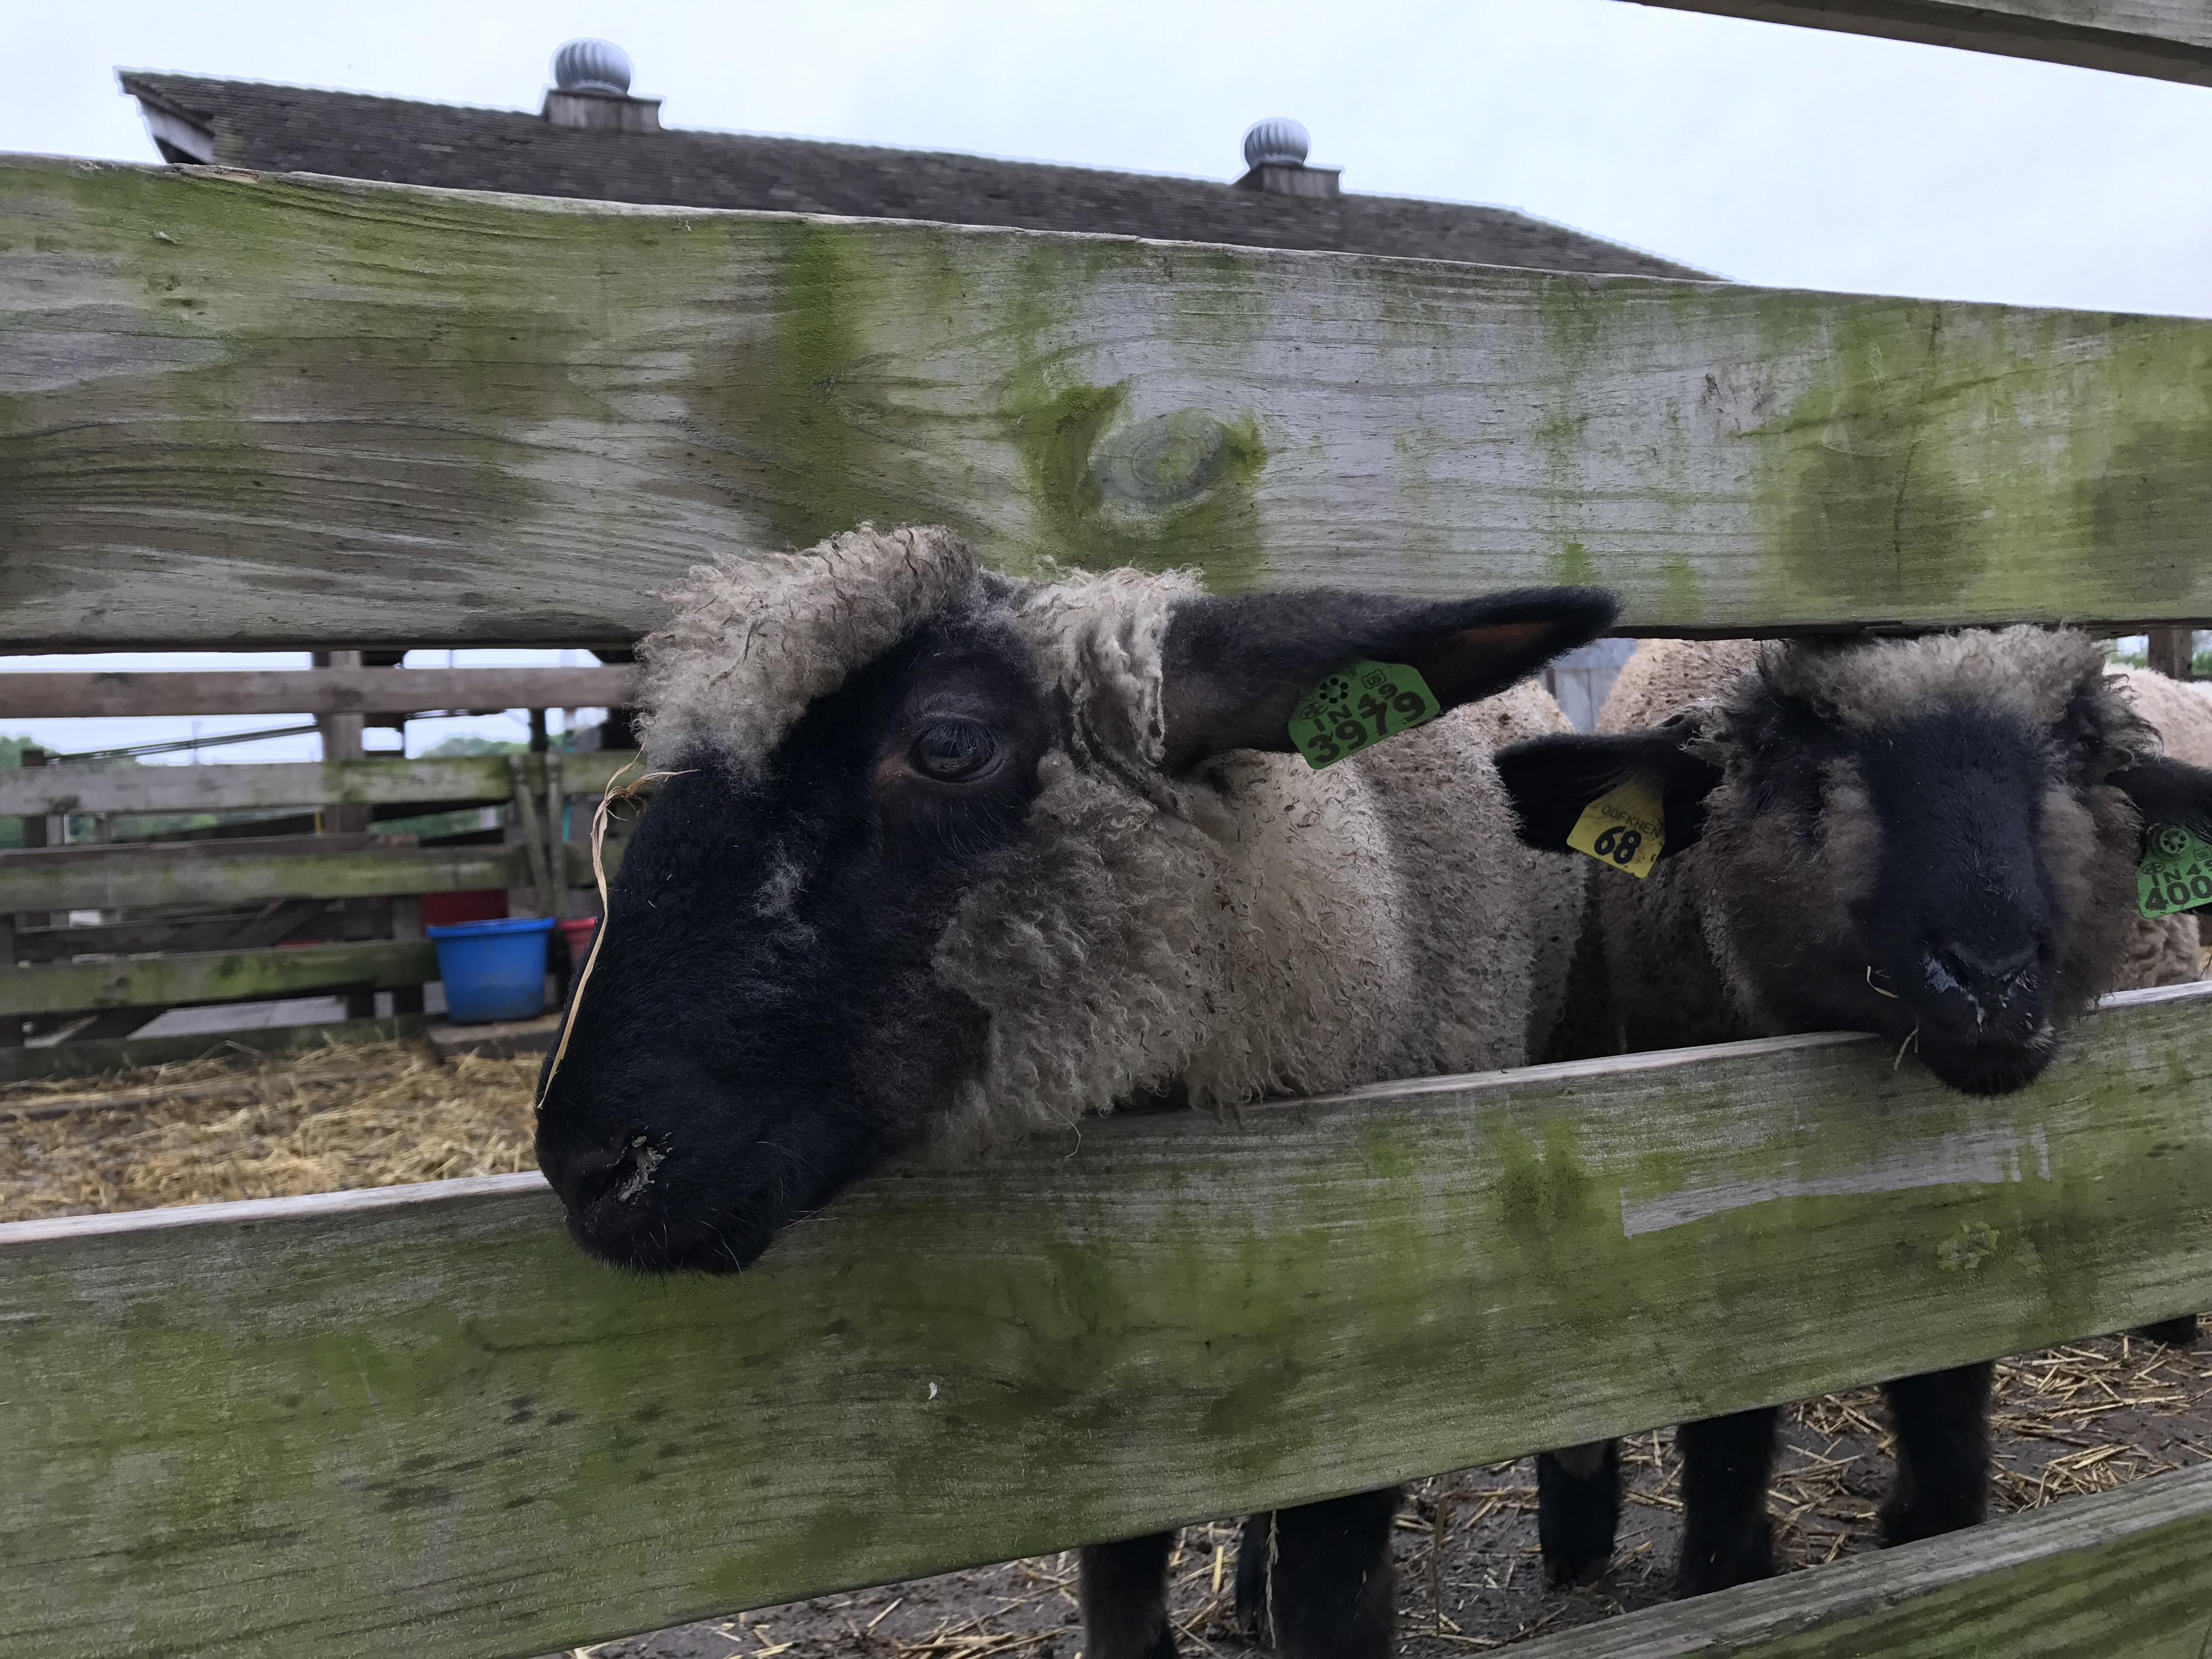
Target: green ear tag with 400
x: 1357, y: 705
x: 2176, y: 871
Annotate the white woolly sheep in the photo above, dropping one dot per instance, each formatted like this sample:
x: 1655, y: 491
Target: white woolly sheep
x: 951, y: 857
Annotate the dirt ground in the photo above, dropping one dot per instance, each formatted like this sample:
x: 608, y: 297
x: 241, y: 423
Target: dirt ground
x: 2074, y: 1419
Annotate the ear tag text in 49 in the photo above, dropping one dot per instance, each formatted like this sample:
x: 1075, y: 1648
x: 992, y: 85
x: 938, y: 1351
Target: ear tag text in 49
x: 1357, y: 705
x: 2176, y: 871
x: 1624, y: 829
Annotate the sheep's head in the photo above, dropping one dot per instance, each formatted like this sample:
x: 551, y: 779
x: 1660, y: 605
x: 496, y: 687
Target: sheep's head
x: 1932, y: 838
x: 930, y: 865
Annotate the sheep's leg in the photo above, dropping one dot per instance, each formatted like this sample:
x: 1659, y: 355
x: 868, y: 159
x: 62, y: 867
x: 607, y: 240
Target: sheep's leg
x: 1726, y: 1537
x: 2179, y: 1332
x: 1124, y: 1595
x: 1942, y: 1422
x: 1319, y: 1578
x: 1578, y: 1510
x: 1252, y: 1574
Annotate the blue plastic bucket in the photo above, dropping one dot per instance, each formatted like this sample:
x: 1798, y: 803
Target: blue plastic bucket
x: 493, y: 969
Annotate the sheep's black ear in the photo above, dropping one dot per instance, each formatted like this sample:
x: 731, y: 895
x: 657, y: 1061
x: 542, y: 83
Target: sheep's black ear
x: 1234, y: 668
x: 1551, y: 779
x: 2169, y: 792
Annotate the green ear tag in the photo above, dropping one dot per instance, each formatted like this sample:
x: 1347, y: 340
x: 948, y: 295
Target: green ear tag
x: 1357, y: 706
x: 2175, y: 874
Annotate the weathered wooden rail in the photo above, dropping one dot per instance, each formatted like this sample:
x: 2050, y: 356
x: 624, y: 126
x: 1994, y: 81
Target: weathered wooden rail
x: 419, y: 1420
x: 527, y: 416
x: 2166, y: 40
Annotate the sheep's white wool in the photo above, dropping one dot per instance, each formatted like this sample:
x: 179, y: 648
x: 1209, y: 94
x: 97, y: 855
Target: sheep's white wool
x: 1259, y: 928
x: 1097, y: 640
x: 753, y: 640
x: 1864, y: 683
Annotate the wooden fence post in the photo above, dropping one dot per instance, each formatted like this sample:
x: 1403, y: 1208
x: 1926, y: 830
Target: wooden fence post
x: 2173, y: 652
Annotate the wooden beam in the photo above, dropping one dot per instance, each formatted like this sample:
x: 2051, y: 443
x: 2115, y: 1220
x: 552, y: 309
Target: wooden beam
x: 129, y: 876
x: 243, y: 787
x: 2120, y: 1575
x: 488, y: 418
x: 312, y: 692
x: 144, y: 875
x: 420, y: 1421
x: 214, y: 976
x: 2164, y: 40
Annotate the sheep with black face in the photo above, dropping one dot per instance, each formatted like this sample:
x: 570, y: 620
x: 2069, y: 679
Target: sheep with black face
x: 950, y: 857
x: 1933, y: 839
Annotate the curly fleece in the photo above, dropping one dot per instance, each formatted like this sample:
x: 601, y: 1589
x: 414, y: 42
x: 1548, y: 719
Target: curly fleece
x: 1673, y: 946
x: 1253, y: 928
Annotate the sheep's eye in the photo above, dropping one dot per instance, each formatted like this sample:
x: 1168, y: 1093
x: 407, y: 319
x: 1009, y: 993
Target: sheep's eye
x: 951, y: 750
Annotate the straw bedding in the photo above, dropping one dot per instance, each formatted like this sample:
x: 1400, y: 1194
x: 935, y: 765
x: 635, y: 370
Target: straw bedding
x: 377, y: 1116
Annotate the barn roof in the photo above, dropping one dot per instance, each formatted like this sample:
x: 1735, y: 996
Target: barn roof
x: 270, y: 128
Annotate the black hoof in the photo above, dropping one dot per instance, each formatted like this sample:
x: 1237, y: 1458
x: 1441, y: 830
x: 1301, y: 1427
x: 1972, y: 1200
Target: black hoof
x: 1713, y: 1564
x: 1904, y: 1522
x: 1577, y: 1511
x: 2170, y: 1333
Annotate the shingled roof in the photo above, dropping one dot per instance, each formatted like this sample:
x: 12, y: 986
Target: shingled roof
x: 278, y: 129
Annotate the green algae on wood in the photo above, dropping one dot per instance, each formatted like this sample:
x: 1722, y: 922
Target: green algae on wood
x: 481, y: 418
x: 213, y: 977
x: 2163, y: 40
x: 423, y: 1422
x: 2117, y: 1575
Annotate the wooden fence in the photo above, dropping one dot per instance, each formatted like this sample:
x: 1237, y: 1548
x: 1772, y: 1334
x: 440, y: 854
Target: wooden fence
x: 418, y: 1421
x: 125, y: 929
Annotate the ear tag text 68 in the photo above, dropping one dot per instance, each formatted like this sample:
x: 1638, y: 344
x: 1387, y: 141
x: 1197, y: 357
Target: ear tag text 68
x: 1624, y: 829
x: 2176, y: 871
x: 1357, y: 705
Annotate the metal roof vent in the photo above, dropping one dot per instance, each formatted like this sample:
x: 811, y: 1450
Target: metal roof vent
x: 591, y: 89
x: 1276, y: 142
x: 1275, y: 160
x: 602, y: 66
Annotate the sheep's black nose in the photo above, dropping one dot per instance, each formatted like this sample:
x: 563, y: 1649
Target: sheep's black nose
x: 1989, y: 979
x: 582, y: 1173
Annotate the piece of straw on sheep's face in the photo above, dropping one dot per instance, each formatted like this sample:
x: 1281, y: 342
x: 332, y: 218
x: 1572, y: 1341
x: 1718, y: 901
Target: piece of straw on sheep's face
x: 896, y: 777
x: 1933, y: 839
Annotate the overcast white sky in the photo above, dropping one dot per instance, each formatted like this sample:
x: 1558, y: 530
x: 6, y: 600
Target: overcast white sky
x: 1768, y: 154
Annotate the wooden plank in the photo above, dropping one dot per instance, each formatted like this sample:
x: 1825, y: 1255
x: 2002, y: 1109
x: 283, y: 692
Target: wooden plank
x: 2166, y: 40
x: 161, y: 874
x: 116, y: 877
x: 214, y: 976
x: 241, y: 787
x: 91, y: 1058
x: 245, y: 411
x: 2118, y: 1575
x: 420, y: 1421
x: 313, y: 691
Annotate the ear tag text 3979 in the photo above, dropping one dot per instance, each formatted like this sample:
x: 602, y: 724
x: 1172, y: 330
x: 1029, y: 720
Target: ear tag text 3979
x: 1358, y: 706
x: 1624, y: 829
x: 2176, y: 871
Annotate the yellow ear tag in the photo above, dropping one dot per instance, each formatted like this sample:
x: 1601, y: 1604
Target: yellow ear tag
x: 1624, y: 828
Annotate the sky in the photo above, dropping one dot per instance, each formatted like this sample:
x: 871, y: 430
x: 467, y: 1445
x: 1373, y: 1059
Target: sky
x: 1775, y: 156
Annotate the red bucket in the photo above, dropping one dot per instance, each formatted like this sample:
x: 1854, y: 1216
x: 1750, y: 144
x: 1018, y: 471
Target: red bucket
x: 576, y: 931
